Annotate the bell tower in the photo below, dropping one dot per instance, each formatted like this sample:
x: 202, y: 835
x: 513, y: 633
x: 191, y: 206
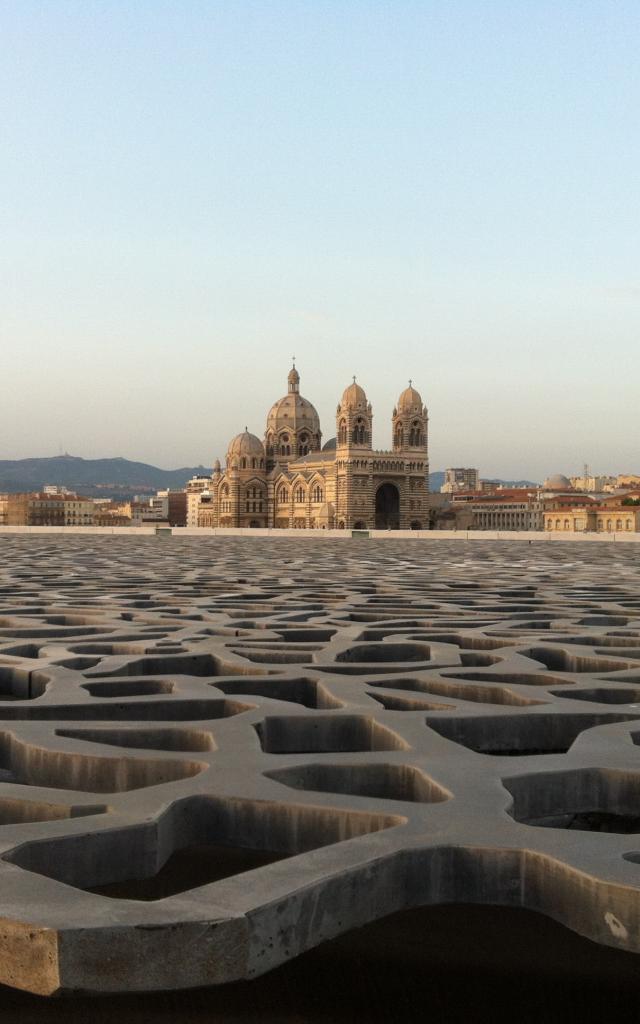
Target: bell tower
x: 354, y: 420
x: 410, y: 422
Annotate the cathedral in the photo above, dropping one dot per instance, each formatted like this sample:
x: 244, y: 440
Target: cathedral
x: 292, y: 480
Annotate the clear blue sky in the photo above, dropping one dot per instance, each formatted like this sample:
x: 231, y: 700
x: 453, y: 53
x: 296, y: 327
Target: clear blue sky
x: 449, y: 191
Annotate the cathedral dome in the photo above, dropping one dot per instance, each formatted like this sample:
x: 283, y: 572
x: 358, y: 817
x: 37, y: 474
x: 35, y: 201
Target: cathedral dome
x: 353, y: 397
x: 246, y: 444
x: 293, y: 412
x: 330, y: 445
x: 410, y: 401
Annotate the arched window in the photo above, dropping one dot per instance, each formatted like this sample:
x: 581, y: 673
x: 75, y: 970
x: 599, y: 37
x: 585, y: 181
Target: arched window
x: 399, y: 436
x: 415, y: 434
x: 342, y: 432
x: 628, y: 524
x: 299, y: 496
x: 317, y: 494
x: 283, y: 495
x: 359, y: 432
x: 566, y: 524
x: 253, y: 463
x: 303, y: 447
x: 243, y: 463
x: 609, y: 525
x: 618, y: 524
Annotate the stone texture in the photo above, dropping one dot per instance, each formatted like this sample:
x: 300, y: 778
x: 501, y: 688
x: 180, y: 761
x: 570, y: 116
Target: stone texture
x: 217, y: 752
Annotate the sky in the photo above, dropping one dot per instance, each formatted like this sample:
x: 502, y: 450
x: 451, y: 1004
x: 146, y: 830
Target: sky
x: 193, y: 192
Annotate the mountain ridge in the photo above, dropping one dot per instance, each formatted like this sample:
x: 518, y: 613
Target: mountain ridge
x: 118, y: 476
x: 114, y: 476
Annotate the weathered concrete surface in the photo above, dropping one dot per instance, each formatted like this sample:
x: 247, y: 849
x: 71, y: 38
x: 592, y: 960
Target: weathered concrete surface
x: 132, y: 532
x: 333, y: 733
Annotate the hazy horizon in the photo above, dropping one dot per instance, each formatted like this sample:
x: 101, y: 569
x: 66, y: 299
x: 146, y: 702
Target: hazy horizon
x: 193, y: 193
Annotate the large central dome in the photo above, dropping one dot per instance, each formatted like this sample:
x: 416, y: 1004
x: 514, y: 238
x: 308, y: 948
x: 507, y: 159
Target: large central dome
x: 293, y: 425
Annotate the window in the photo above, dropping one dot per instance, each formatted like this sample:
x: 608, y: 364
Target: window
x: 415, y: 435
x: 359, y: 432
x: 317, y: 494
x: 342, y: 432
x: 299, y: 497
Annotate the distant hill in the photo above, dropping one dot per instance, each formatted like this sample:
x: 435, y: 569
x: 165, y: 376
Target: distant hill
x: 121, y: 477
x: 93, y: 477
x: 436, y: 481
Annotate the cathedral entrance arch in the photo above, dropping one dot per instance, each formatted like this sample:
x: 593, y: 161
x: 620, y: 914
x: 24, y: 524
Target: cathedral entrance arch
x: 387, y: 507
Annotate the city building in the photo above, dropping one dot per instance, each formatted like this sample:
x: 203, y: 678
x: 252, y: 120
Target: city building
x: 49, y: 509
x: 78, y: 511
x: 291, y: 480
x: 460, y: 480
x: 593, y: 518
x: 505, y: 508
x: 196, y: 487
x: 593, y: 484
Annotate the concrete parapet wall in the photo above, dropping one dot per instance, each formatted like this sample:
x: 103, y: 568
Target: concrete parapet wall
x: 435, y: 535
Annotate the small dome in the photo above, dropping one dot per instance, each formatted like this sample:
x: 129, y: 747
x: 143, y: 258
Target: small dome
x: 410, y: 401
x: 353, y: 397
x: 330, y: 445
x: 246, y: 444
x: 557, y: 482
x: 293, y: 379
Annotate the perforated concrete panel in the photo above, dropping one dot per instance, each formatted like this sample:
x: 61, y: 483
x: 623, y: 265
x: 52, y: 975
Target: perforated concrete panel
x: 216, y: 753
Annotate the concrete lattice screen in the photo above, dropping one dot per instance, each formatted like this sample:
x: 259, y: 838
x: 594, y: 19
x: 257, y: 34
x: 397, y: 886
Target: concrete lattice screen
x: 216, y: 753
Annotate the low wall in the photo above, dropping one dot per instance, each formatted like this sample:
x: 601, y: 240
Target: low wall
x: 473, y: 535
x: 432, y: 535
x: 132, y: 531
